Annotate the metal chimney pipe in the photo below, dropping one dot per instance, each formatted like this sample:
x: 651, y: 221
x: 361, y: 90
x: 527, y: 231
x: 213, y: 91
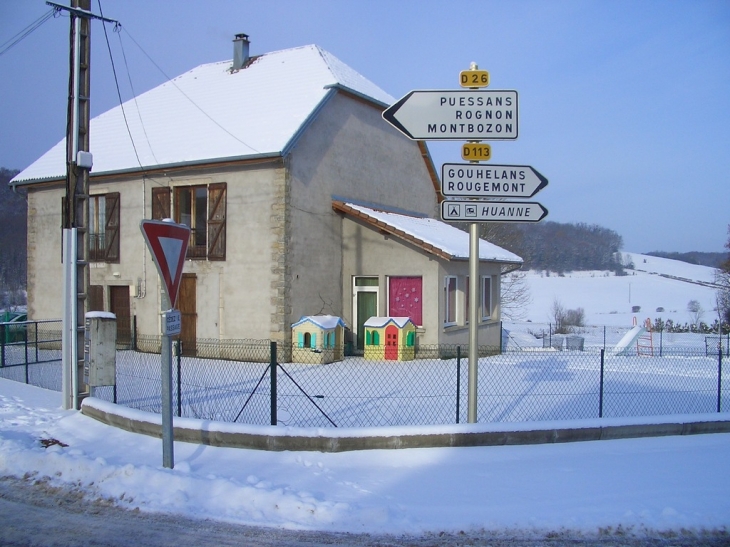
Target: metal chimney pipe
x: 240, y: 51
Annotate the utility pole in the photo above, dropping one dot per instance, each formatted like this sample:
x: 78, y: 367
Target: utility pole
x: 76, y: 204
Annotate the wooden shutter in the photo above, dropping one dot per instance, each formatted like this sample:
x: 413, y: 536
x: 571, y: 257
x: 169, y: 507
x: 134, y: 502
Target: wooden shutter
x: 111, y: 233
x: 217, y: 221
x: 160, y: 203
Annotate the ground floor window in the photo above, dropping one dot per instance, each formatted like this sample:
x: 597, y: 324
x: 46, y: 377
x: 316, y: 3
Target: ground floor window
x: 405, y: 298
x: 486, y: 296
x: 450, y: 288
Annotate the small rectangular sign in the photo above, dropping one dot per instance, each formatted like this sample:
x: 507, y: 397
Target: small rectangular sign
x: 171, y: 322
x: 492, y: 211
x: 474, y: 78
x: 490, y: 181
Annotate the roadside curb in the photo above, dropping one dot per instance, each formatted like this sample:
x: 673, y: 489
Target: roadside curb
x: 282, y: 438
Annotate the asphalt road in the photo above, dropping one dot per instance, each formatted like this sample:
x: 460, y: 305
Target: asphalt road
x: 33, y: 513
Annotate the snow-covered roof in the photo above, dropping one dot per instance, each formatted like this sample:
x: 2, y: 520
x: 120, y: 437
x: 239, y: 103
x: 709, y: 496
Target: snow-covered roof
x: 380, y: 322
x: 214, y: 114
x: 434, y: 236
x: 326, y: 322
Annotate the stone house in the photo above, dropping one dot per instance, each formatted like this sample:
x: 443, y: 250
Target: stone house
x: 301, y: 200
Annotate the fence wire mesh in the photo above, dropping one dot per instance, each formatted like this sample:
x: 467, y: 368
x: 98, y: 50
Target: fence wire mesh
x: 230, y: 381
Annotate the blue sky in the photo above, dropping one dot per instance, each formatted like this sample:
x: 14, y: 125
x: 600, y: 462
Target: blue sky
x: 624, y: 105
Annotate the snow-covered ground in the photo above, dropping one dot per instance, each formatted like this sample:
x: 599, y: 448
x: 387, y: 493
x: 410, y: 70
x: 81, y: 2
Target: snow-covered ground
x: 641, y: 485
x: 634, y: 486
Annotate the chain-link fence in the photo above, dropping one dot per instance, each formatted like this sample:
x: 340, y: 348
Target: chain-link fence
x: 30, y: 352
x: 429, y: 388
x: 321, y: 387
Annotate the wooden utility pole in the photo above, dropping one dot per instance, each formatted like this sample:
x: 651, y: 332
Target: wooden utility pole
x: 76, y: 203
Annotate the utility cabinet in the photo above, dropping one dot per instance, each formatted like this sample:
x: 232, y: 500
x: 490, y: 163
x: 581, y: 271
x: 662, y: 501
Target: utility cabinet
x: 100, y: 349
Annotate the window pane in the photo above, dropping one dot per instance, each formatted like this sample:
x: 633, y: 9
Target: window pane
x: 184, y: 207
x: 201, y: 216
x: 366, y: 281
x: 486, y: 297
x: 450, y: 300
x: 404, y: 298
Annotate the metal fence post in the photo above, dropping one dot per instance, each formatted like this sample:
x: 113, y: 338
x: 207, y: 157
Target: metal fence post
x: 458, y: 381
x: 600, y: 388
x: 178, y: 349
x: 36, y: 341
x: 273, y: 365
x: 719, y: 377
x: 2, y: 345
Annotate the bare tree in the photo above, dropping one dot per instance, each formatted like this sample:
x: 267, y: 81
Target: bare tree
x: 696, y: 311
x: 515, y: 296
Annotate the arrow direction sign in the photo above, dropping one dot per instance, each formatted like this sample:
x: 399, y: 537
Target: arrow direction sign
x: 168, y: 243
x: 471, y: 180
x: 492, y: 211
x: 451, y: 115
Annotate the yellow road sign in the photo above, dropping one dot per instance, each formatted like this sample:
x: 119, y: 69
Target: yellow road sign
x: 474, y: 78
x: 476, y: 151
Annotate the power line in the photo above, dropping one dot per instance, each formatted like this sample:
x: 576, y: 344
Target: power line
x: 134, y: 95
x: 170, y: 80
x: 26, y: 31
x: 116, y: 83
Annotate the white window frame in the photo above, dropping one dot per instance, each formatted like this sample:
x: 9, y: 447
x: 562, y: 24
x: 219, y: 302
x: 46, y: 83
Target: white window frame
x: 486, y: 297
x: 448, y: 301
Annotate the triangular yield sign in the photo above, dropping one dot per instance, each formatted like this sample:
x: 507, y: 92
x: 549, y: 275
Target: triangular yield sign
x: 168, y: 243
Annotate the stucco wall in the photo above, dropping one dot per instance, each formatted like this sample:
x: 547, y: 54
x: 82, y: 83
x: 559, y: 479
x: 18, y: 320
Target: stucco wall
x: 45, y: 273
x: 367, y: 252
x: 235, y: 297
x: 350, y: 152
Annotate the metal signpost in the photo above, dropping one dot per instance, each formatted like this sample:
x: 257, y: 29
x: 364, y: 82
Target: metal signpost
x: 473, y: 115
x: 168, y: 243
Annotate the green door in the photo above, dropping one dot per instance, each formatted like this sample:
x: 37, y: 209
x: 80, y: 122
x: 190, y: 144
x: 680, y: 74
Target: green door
x: 367, y: 307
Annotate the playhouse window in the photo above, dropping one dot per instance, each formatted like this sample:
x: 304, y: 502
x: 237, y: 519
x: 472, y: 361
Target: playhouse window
x: 450, y: 287
x: 405, y: 298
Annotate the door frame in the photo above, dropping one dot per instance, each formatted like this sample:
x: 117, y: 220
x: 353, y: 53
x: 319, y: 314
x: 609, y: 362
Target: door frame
x: 356, y: 289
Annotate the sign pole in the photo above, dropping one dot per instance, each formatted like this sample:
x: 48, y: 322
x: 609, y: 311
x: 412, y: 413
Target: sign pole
x: 168, y: 243
x: 473, y: 317
x: 168, y: 456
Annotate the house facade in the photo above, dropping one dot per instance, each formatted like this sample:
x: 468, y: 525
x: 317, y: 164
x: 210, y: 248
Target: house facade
x: 280, y: 165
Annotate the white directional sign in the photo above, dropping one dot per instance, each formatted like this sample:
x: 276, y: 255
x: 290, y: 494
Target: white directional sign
x: 443, y: 115
x: 490, y: 181
x: 492, y: 211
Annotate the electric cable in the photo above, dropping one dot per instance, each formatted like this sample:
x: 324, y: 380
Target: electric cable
x: 15, y: 40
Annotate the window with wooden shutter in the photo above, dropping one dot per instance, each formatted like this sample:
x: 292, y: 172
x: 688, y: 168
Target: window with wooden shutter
x: 217, y: 221
x: 161, y: 203
x: 112, y: 227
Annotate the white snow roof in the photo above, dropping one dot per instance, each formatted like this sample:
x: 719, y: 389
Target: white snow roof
x: 213, y: 114
x: 380, y: 322
x: 326, y: 322
x: 432, y: 235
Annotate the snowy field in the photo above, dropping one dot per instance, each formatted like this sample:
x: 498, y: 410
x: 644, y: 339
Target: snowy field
x: 607, y: 299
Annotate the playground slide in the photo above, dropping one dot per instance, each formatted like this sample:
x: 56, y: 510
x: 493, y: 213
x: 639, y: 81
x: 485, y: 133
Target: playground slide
x: 628, y: 340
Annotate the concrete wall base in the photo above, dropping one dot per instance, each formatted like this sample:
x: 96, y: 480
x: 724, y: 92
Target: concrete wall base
x: 335, y: 440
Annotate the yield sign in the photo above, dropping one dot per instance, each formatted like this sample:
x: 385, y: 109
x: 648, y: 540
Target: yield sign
x: 168, y: 243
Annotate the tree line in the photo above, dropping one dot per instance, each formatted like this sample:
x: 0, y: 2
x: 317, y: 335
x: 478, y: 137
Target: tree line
x: 558, y: 247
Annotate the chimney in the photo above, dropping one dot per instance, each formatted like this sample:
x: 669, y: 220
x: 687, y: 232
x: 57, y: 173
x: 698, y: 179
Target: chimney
x: 240, y: 51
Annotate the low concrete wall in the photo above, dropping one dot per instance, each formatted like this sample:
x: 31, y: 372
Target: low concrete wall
x: 341, y: 440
